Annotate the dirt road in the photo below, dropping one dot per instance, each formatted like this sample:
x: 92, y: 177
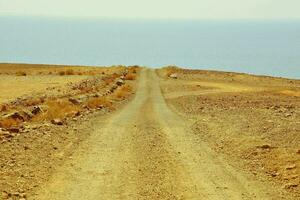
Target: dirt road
x: 145, y: 151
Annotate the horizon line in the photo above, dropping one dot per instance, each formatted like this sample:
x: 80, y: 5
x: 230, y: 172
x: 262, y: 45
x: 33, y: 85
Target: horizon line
x: 152, y: 19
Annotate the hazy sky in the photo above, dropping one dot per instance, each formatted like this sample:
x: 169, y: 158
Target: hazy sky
x: 153, y: 9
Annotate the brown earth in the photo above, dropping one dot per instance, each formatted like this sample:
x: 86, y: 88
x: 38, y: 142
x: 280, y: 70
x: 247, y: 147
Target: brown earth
x: 253, y: 121
x: 49, y: 118
x: 198, y: 135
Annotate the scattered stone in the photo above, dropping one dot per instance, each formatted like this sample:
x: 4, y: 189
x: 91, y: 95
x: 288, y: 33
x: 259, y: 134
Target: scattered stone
x: 36, y: 110
x: 120, y: 82
x: 175, y: 76
x: 288, y: 115
x: 57, y: 122
x: 74, y: 101
x: 6, y: 134
x: 289, y: 167
x: 113, y: 88
x: 96, y: 95
x: 13, y: 130
x: 5, y: 195
x: 274, y: 174
x: 82, y: 98
x: 15, y: 115
x: 16, y: 194
x: 265, y: 146
x: 290, y: 185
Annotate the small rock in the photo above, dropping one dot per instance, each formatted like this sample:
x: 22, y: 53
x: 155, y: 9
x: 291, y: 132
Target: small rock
x: 74, y: 101
x: 5, y: 195
x: 6, y: 134
x: 265, y: 146
x: 16, y: 194
x: 274, y: 174
x: 293, y: 166
x: 13, y: 130
x: 96, y: 95
x: 175, y: 76
x: 57, y: 122
x: 36, y: 110
x: 290, y: 185
x: 15, y: 115
x: 120, y: 82
x: 288, y: 115
x: 78, y: 113
x: 112, y: 89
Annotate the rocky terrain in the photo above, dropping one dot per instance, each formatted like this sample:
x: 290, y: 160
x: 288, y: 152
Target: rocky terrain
x: 138, y: 133
x: 253, y: 121
x: 45, y: 123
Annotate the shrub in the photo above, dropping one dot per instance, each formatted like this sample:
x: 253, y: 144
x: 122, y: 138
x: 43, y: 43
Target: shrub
x: 61, y: 73
x: 97, y: 102
x: 57, y: 109
x: 70, y: 72
x: 21, y: 73
x: 169, y: 73
x: 3, y: 108
x: 33, y: 102
x: 108, y: 80
x: 123, y: 92
x: 9, y: 123
x: 130, y: 76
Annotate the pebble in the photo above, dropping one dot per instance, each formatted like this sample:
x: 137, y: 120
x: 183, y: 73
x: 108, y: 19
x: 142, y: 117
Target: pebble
x: 290, y: 185
x: 265, y: 146
x: 293, y: 166
x: 57, y: 122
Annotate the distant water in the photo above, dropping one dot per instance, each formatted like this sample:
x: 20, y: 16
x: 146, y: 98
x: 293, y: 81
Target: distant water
x: 269, y: 48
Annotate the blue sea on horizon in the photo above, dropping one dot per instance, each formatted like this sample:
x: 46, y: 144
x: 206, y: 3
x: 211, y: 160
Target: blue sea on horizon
x: 264, y: 48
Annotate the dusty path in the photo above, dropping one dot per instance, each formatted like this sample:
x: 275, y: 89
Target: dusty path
x: 147, y: 152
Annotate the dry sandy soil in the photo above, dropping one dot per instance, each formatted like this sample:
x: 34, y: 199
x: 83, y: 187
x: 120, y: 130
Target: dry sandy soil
x: 198, y: 135
x: 252, y: 121
x: 43, y: 119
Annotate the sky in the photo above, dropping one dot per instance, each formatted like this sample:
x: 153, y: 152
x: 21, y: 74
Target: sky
x: 156, y: 9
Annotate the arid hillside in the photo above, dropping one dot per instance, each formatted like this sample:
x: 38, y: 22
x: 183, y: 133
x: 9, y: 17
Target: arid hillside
x: 41, y: 109
x: 133, y: 133
x: 253, y: 121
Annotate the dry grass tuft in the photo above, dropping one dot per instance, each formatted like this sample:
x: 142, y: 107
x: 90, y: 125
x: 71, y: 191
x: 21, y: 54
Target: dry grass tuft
x: 3, y: 108
x: 123, y: 92
x: 86, y: 89
x: 108, y: 80
x: 33, y: 102
x: 133, y: 69
x: 61, y: 73
x: 130, y: 76
x: 169, y: 73
x: 21, y: 73
x: 58, y: 109
x: 169, y: 70
x: 98, y: 102
x: 70, y: 72
x: 9, y: 123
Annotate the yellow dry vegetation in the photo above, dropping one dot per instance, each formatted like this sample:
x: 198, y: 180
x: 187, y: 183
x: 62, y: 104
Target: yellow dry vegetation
x: 9, y: 123
x: 57, y: 109
x: 98, y: 102
x: 123, y: 92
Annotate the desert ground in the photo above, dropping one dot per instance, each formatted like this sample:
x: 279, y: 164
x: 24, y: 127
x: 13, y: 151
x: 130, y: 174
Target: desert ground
x: 119, y: 132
